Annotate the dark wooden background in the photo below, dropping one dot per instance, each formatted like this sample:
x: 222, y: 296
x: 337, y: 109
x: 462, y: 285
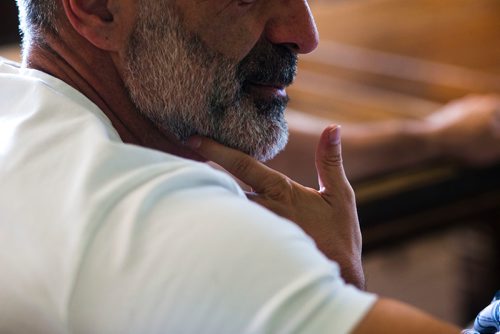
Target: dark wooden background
x: 8, y: 22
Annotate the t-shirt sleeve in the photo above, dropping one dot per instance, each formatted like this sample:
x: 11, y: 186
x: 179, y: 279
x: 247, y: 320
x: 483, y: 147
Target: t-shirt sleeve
x: 206, y: 260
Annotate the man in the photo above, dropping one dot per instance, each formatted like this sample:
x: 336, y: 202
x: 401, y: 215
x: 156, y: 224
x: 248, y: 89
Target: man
x: 107, y: 228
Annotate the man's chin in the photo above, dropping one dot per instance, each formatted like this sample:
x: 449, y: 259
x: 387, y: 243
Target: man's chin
x: 271, y: 108
x: 264, y: 149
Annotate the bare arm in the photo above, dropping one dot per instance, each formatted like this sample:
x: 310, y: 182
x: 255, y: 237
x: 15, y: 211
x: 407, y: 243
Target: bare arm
x: 368, y: 148
x: 389, y: 316
x: 467, y: 130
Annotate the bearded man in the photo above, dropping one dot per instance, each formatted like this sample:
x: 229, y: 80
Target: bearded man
x: 110, y: 226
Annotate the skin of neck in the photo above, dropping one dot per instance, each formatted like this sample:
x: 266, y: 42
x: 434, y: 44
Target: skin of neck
x: 96, y: 74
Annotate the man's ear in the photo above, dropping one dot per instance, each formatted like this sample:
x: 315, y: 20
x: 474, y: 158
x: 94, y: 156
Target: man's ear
x: 104, y: 23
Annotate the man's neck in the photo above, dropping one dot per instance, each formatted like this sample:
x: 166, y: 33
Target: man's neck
x: 94, y: 73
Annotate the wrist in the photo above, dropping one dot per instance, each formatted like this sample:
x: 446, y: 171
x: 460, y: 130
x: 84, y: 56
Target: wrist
x: 348, y: 258
x: 424, y: 137
x: 352, y: 272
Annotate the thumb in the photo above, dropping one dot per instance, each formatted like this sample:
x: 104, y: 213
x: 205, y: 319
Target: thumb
x: 329, y: 166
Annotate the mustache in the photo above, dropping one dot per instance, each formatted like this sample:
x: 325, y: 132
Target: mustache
x: 269, y: 64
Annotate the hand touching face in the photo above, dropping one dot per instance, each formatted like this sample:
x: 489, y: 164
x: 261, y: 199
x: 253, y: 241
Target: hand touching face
x: 328, y: 215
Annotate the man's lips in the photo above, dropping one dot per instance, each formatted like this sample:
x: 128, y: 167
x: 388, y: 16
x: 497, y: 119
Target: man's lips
x: 267, y: 89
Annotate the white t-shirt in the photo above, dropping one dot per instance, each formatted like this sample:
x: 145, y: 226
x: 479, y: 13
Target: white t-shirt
x: 98, y: 236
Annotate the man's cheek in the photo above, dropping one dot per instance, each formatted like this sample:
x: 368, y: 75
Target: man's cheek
x: 231, y: 40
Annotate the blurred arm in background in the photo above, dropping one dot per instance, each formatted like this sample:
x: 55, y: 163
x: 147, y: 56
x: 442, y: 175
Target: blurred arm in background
x: 466, y: 130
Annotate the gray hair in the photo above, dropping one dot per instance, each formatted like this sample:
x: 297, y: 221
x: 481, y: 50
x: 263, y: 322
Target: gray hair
x: 36, y: 17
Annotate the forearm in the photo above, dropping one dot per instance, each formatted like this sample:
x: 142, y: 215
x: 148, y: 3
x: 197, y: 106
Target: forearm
x: 380, y: 147
x: 466, y: 130
x: 368, y: 149
x: 389, y: 316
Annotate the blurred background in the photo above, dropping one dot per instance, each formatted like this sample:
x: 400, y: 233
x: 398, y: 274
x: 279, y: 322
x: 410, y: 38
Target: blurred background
x: 431, y: 232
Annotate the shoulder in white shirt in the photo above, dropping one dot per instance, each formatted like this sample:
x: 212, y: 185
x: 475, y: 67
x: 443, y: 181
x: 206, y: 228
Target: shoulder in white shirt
x: 99, y: 236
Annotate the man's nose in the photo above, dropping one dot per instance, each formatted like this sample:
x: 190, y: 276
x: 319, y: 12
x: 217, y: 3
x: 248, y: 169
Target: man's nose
x: 293, y: 26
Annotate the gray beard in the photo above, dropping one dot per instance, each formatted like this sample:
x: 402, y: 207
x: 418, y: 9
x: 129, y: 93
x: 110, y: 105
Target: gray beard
x: 187, y: 89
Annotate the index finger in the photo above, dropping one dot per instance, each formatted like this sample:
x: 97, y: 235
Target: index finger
x: 247, y: 169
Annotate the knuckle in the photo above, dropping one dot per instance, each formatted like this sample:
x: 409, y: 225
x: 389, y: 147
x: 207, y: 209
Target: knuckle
x: 344, y: 193
x: 241, y: 166
x: 347, y: 189
x: 350, y: 194
x: 334, y: 160
x: 279, y: 187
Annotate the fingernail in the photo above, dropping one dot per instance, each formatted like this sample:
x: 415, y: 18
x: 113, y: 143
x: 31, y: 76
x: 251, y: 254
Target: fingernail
x: 194, y: 143
x: 334, y: 135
